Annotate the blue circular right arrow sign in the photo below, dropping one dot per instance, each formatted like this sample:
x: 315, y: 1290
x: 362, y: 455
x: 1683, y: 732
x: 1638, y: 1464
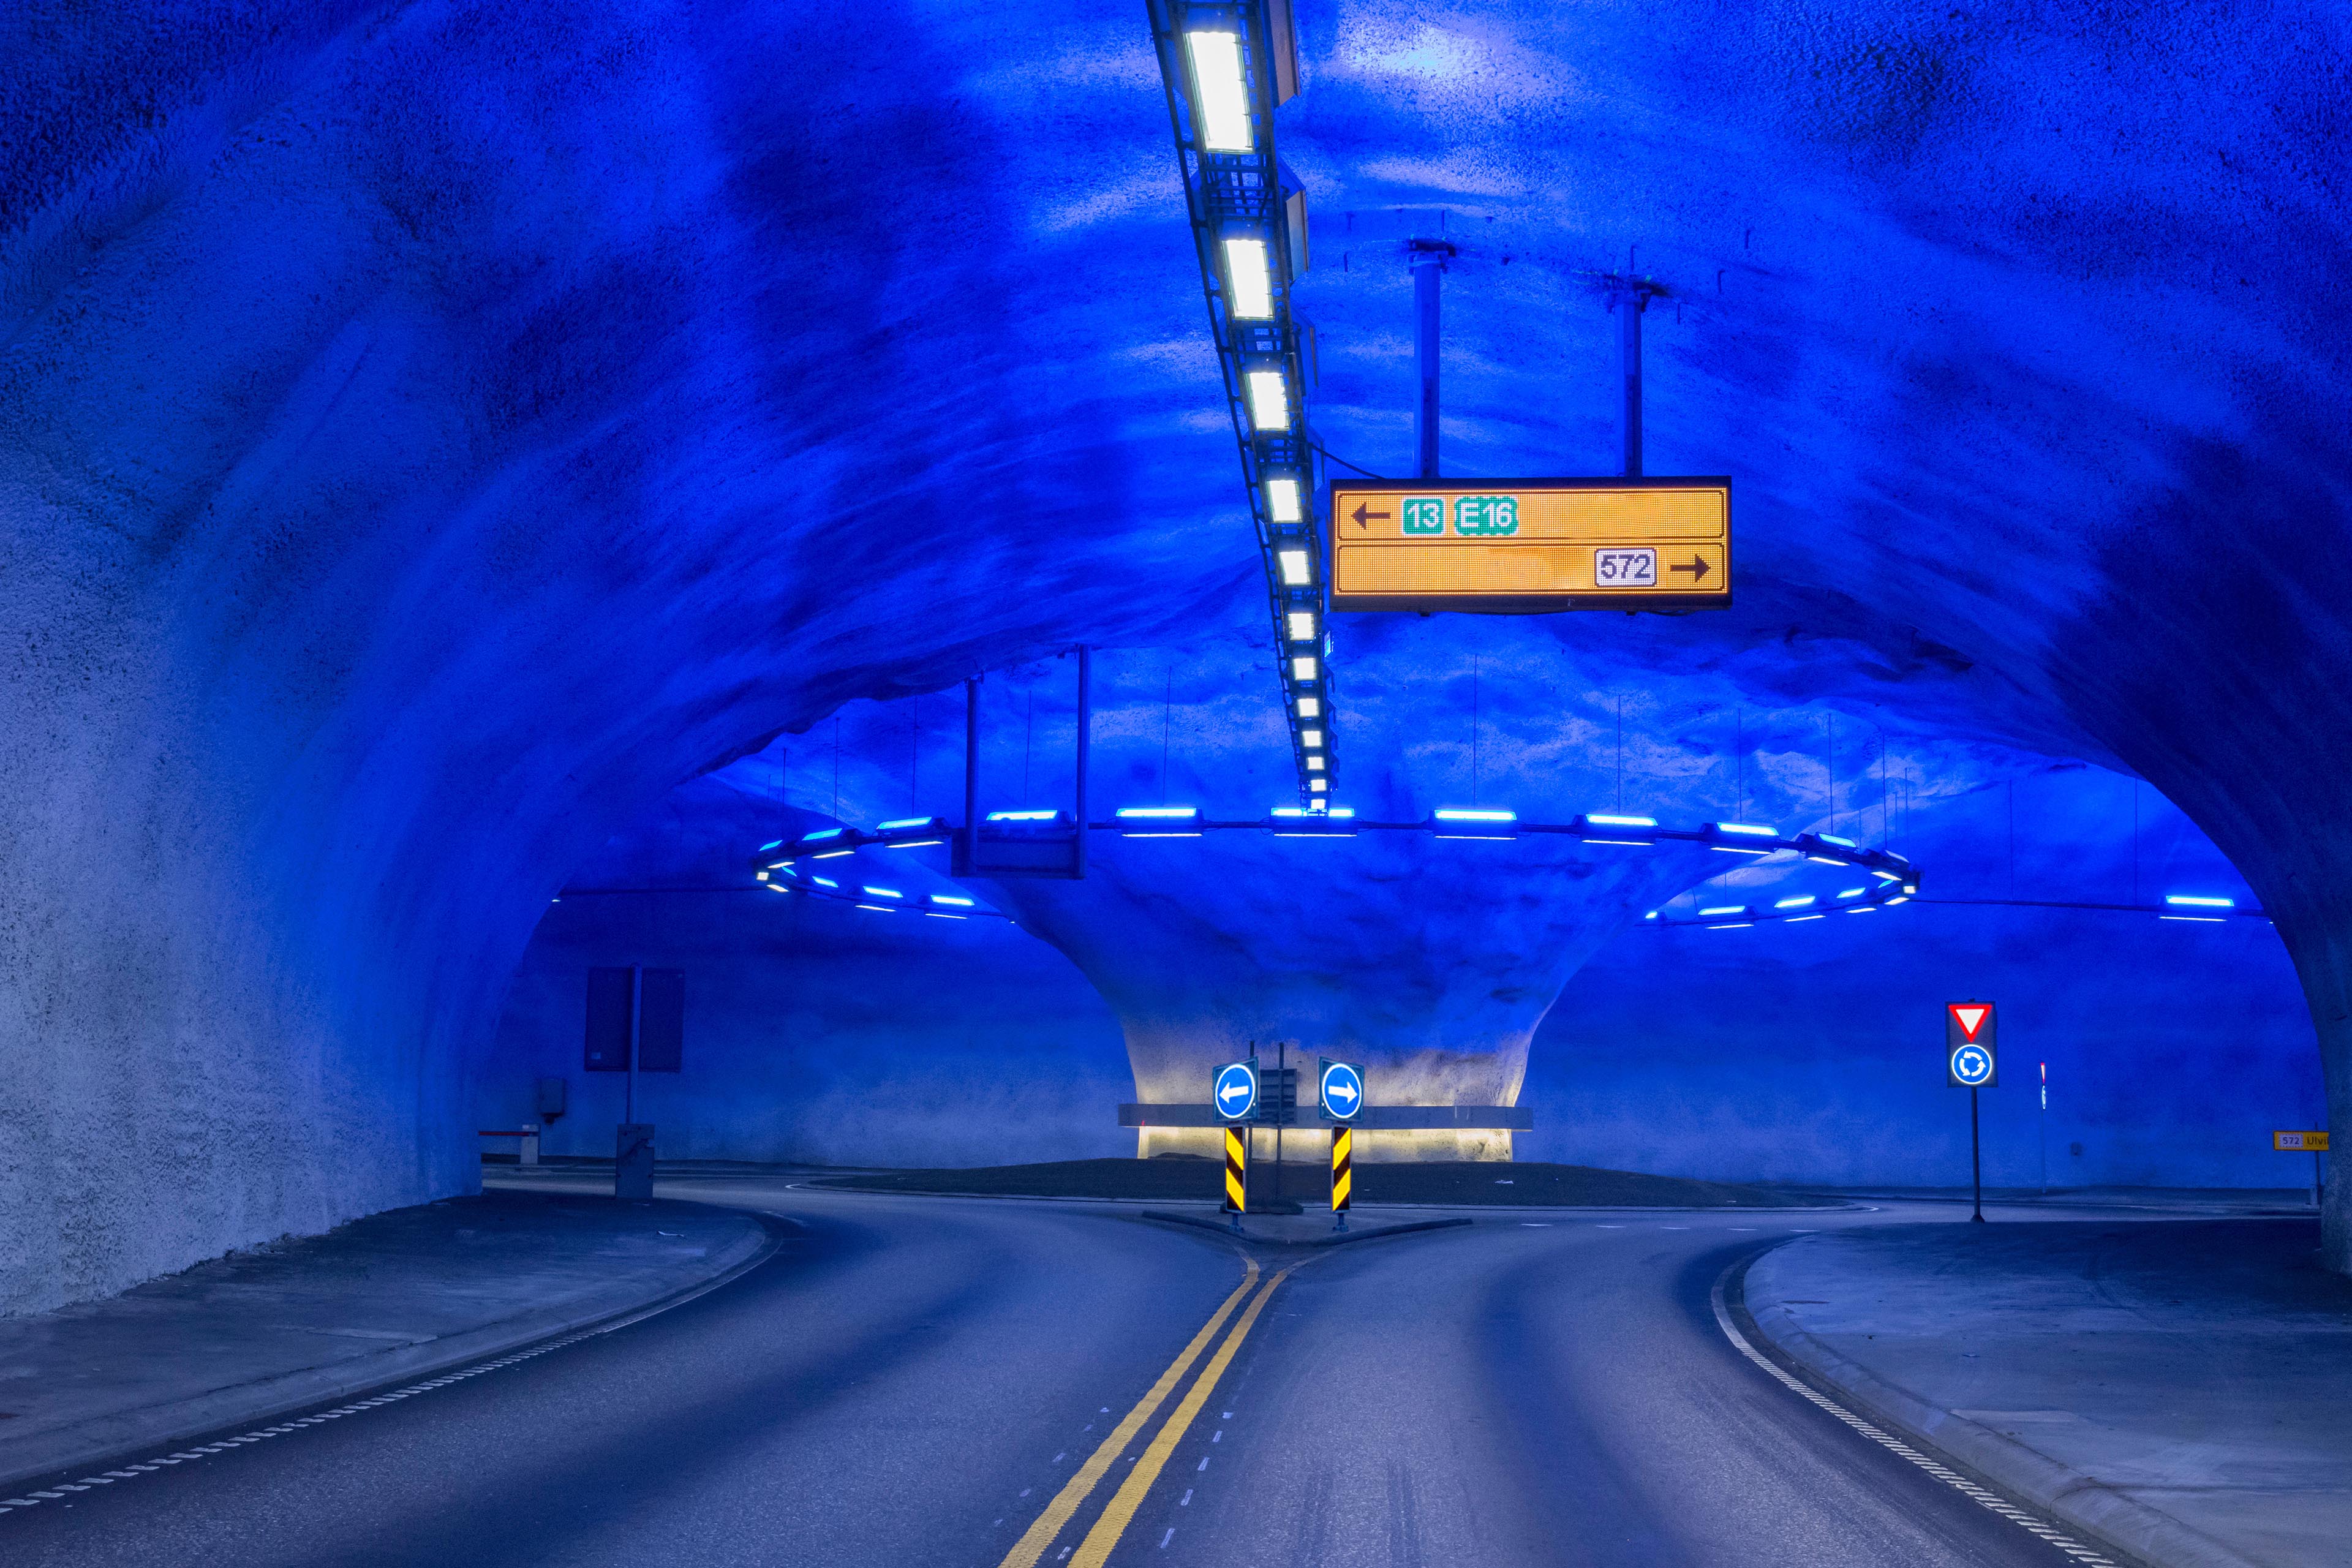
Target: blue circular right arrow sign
x: 1343, y: 1091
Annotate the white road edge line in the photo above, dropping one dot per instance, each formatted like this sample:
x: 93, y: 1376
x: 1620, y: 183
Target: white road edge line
x: 1993, y: 1502
x: 149, y: 1467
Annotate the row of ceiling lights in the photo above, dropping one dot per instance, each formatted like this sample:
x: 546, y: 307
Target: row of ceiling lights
x: 1226, y: 66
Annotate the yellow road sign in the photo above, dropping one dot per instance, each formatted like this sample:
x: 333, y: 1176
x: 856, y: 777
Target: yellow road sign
x: 1236, y: 1170
x: 1531, y: 544
x: 2307, y: 1143
x: 1343, y: 1176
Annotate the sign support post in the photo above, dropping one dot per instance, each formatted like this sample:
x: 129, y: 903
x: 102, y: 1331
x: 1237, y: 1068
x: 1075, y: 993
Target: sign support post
x: 2313, y: 1141
x: 1971, y: 1062
x: 1632, y: 303
x: 1343, y: 1176
x: 1975, y: 1160
x: 1233, y: 1092
x: 1237, y: 1174
x: 2045, y: 1128
x: 1339, y: 1099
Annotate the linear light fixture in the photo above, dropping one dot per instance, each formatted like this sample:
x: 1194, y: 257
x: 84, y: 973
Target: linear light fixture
x: 1022, y: 815
x: 1725, y: 909
x: 1744, y: 829
x: 951, y: 899
x: 1474, y: 822
x: 1159, y: 821
x: 1249, y: 284
x: 1607, y: 821
x: 1269, y: 400
x: 2195, y: 900
x: 1221, y: 91
x: 1225, y: 64
x: 1794, y: 903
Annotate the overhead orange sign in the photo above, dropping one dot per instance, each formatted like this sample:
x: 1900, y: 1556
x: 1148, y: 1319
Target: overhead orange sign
x: 1531, y: 544
x: 2309, y: 1143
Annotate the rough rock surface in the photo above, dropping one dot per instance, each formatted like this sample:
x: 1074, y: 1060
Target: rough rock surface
x: 429, y: 434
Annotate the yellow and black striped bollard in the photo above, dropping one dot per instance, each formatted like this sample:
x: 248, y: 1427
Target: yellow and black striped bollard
x: 1343, y: 1146
x: 1236, y: 1172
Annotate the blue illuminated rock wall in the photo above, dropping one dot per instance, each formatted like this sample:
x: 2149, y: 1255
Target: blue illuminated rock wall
x: 816, y: 1033
x: 1815, y: 1052
x: 429, y: 436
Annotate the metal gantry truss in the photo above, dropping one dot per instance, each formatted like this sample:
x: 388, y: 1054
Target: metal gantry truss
x: 1244, y: 195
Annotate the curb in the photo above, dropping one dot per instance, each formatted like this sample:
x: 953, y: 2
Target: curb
x: 96, y: 1443
x: 1195, y: 1222
x: 2066, y: 1494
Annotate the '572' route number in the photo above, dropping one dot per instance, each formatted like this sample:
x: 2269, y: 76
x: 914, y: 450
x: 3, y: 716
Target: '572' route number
x: 1625, y: 568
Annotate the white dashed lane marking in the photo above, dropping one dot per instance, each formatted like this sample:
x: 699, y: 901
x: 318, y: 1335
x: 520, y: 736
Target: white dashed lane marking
x: 1892, y: 1445
x: 163, y: 1461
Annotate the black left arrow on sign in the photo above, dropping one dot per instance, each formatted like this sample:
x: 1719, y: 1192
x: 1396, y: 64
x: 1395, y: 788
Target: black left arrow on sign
x: 1360, y: 513
x: 1698, y: 568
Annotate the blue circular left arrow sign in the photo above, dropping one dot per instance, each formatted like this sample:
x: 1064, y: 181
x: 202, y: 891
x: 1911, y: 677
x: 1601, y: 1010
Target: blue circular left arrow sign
x: 1233, y: 1091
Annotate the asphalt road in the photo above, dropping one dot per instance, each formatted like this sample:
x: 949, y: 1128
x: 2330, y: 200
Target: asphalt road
x: 978, y: 1383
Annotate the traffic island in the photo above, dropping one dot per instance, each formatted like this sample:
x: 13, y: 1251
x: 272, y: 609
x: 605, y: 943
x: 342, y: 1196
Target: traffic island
x: 2158, y: 1385
x: 1439, y: 1183
x: 389, y: 1299
x: 1299, y: 1231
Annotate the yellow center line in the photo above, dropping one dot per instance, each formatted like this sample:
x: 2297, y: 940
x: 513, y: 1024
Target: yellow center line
x: 1040, y: 1535
x: 1095, y: 1551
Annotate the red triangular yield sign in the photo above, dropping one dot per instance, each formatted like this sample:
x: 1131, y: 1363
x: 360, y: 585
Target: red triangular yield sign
x: 1971, y: 1015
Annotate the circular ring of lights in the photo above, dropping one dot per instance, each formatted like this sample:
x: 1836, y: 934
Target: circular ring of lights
x: 791, y: 866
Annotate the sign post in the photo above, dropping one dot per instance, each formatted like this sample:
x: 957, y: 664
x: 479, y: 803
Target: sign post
x: 2313, y: 1140
x: 1232, y: 1091
x: 1971, y: 1062
x: 1339, y: 1099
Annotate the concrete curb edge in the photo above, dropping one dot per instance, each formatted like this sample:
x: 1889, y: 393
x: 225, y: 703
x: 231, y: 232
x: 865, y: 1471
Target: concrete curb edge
x: 2081, y: 1501
x: 103, y: 1440
x: 1194, y: 1222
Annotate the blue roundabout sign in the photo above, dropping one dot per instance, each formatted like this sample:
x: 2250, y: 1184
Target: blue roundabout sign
x: 1972, y: 1066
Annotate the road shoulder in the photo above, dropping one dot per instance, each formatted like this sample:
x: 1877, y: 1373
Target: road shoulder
x: 389, y: 1299
x: 2125, y: 1379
